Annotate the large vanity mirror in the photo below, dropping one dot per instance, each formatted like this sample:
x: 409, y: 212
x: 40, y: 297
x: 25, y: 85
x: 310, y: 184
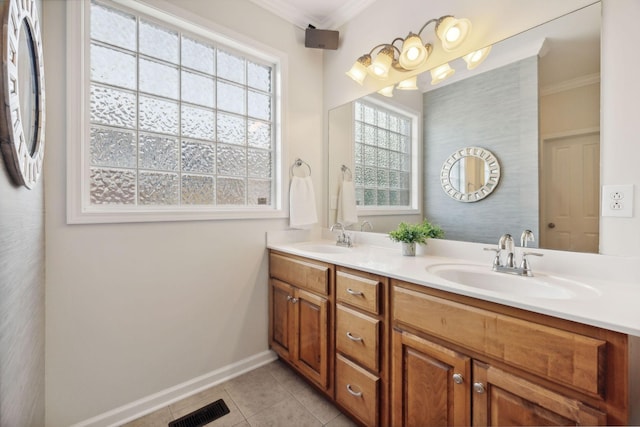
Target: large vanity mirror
x: 534, y: 104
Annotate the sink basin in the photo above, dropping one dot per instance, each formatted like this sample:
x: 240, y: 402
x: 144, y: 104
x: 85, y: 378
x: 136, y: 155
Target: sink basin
x: 323, y: 248
x: 539, y: 286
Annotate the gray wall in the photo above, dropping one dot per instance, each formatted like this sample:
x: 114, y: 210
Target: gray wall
x: 21, y: 302
x: 496, y: 110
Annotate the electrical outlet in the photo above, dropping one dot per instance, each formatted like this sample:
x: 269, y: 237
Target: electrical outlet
x: 617, y: 200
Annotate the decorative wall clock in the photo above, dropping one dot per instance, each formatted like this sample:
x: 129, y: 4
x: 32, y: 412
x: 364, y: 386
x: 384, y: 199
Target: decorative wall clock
x: 22, y: 124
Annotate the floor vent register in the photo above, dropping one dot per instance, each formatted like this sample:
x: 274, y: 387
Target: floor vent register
x: 202, y: 416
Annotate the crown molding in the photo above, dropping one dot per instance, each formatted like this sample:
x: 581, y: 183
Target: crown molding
x: 302, y: 18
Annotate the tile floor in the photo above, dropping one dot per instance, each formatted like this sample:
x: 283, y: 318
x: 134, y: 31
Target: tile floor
x: 272, y: 395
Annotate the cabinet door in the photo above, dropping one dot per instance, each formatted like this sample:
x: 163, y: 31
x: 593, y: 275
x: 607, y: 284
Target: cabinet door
x: 311, y: 348
x: 504, y: 399
x: 282, y: 327
x: 430, y: 384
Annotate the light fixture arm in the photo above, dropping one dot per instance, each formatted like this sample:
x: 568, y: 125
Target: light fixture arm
x: 383, y: 45
x: 426, y: 24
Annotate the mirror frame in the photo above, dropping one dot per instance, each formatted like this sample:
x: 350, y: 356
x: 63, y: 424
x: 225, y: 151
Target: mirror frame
x: 24, y: 165
x: 491, y: 181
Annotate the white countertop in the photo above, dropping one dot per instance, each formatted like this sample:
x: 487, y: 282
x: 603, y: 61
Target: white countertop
x: 613, y: 300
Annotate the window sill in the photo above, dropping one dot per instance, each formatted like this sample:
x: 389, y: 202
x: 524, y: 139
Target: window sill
x: 158, y: 214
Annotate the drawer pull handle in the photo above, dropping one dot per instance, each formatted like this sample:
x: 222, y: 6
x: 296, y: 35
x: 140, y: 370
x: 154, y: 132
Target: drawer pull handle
x: 356, y: 293
x: 352, y: 337
x: 458, y: 378
x: 478, y: 388
x: 354, y: 393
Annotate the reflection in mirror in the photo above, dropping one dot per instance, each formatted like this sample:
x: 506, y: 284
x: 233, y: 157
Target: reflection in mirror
x: 28, y: 87
x: 540, y: 126
x: 470, y: 174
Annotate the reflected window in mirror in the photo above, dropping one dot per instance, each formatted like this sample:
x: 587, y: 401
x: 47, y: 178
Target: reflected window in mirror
x: 385, y: 156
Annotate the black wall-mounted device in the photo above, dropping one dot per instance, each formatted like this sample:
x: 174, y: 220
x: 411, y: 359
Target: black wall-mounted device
x: 320, y: 39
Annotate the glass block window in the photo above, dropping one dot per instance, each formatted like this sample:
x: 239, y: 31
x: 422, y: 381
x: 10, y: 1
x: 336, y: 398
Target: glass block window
x: 382, y: 156
x: 176, y: 120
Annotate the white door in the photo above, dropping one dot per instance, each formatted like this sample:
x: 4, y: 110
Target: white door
x: 570, y: 193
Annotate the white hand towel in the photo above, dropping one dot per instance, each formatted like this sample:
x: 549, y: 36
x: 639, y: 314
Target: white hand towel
x: 302, y: 203
x: 347, y: 213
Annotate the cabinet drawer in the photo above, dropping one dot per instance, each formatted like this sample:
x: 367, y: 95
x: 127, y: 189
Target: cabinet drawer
x: 301, y: 273
x: 357, y: 336
x: 360, y: 292
x: 357, y: 391
x: 558, y: 355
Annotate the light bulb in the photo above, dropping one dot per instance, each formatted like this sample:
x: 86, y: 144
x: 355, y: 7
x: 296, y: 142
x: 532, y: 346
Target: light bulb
x: 476, y: 58
x: 386, y: 91
x: 440, y: 73
x: 381, y: 65
x: 358, y: 71
x: 413, y: 53
x: 453, y: 34
x: 408, y: 84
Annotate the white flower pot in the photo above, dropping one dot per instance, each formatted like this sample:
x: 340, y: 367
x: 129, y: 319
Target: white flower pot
x: 409, y: 249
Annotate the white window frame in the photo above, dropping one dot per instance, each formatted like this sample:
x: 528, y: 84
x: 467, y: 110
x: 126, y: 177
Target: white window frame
x: 415, y: 206
x: 79, y: 208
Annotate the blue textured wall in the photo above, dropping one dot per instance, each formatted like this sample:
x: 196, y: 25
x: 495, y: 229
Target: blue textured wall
x: 22, y: 287
x: 496, y: 110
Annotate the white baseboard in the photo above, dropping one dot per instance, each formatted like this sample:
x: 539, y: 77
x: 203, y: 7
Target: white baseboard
x: 146, y: 405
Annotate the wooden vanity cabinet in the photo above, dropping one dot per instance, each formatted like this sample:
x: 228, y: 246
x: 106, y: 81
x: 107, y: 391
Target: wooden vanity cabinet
x: 362, y: 320
x: 430, y: 383
x: 504, y: 399
x: 460, y: 361
x: 392, y: 353
x: 300, y: 326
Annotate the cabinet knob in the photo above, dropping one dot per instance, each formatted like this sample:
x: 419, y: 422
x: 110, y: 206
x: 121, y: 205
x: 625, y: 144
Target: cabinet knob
x: 458, y: 378
x: 292, y: 299
x: 478, y: 388
x: 353, y: 392
x: 353, y: 337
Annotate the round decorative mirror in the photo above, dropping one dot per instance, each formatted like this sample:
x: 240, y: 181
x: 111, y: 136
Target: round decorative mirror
x: 470, y: 174
x: 22, y: 139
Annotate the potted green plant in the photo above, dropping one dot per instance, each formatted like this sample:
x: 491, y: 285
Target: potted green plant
x: 410, y: 234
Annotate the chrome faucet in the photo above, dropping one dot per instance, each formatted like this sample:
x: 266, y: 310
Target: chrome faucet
x: 506, y: 244
x: 525, y: 237
x: 343, y: 238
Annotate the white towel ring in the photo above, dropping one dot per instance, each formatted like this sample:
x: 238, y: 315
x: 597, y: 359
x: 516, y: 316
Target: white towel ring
x: 297, y: 164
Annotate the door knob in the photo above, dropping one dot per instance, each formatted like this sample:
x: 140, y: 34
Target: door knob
x: 551, y: 225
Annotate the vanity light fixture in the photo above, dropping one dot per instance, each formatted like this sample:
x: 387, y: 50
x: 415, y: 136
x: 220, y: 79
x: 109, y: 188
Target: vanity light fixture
x: 359, y: 70
x: 476, y: 58
x: 380, y: 66
x: 408, y: 84
x: 386, y: 91
x: 413, y: 53
x: 452, y: 32
x: 441, y: 72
